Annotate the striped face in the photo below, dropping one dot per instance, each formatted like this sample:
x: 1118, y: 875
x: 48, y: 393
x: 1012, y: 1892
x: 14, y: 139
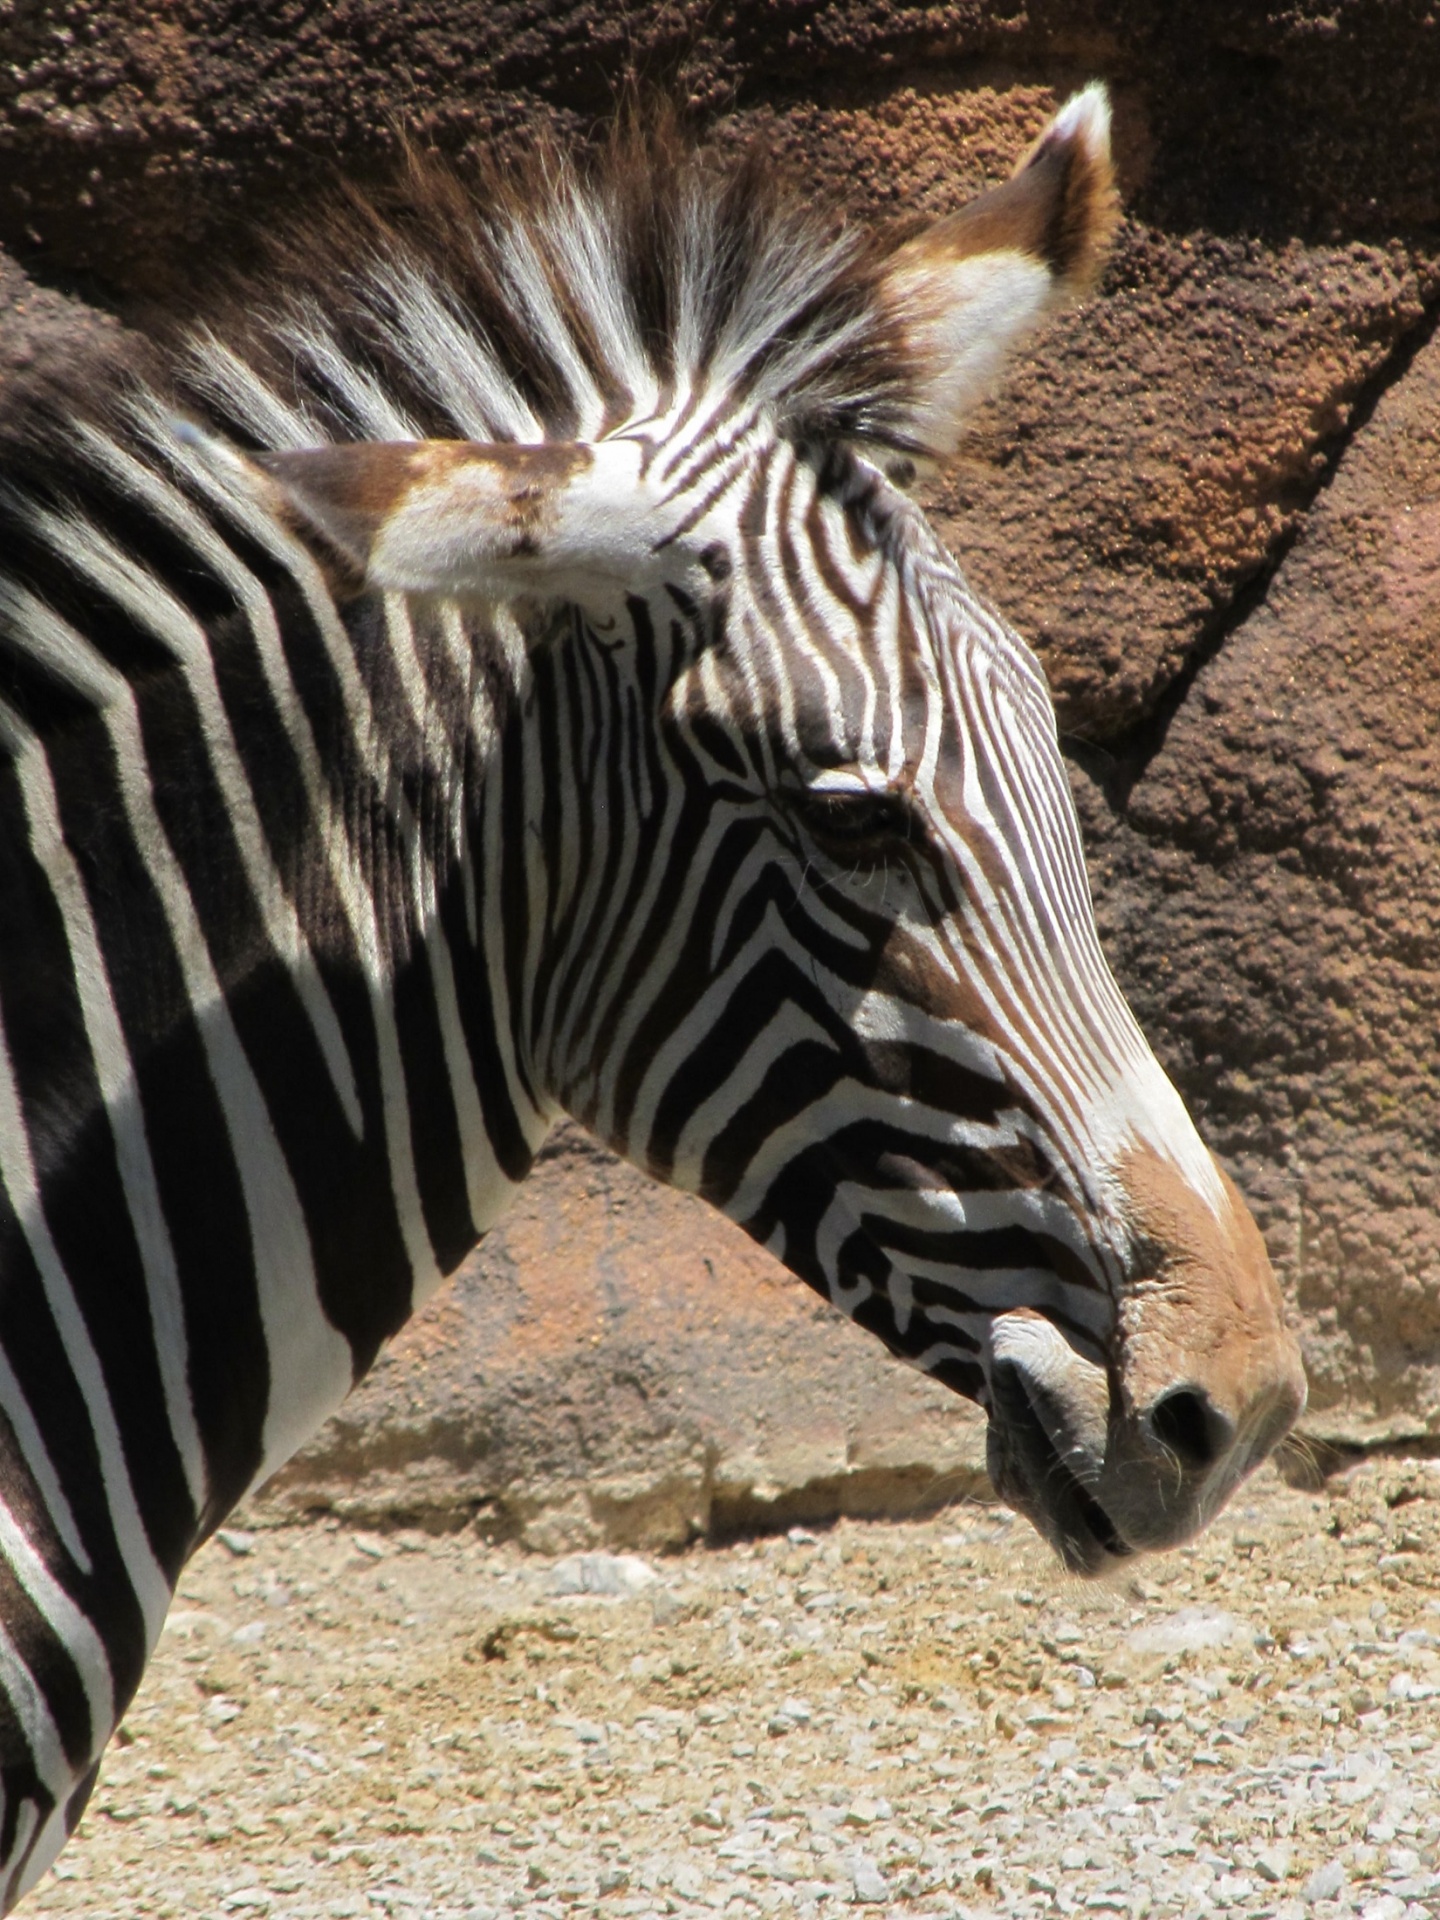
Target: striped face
x: 917, y: 1061
x: 830, y: 963
x: 807, y: 927
x: 810, y: 935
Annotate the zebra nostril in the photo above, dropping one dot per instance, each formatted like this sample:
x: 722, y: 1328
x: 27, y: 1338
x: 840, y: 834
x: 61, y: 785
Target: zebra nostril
x: 1189, y: 1425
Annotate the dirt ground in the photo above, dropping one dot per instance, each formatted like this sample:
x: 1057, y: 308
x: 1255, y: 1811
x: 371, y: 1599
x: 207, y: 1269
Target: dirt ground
x: 920, y: 1718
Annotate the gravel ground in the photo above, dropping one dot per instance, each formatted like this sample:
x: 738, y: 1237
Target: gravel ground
x: 920, y: 1719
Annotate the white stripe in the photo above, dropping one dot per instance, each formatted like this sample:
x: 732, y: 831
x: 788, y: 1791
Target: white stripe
x: 27, y: 1819
x: 17, y: 1172
x: 789, y: 1026
x: 69, y: 1625
x: 1000, y: 1289
x: 943, y: 1210
x: 534, y: 1120
x: 528, y: 286
x: 488, y: 1192
x: 151, y: 605
x: 453, y: 363
x: 59, y: 649
x: 37, y: 1459
x: 310, y: 1362
x: 372, y: 410
x: 588, y: 247
x: 218, y: 372
x: 120, y: 1093
x: 172, y: 508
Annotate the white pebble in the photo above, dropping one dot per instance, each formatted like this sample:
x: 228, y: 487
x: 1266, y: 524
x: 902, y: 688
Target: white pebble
x: 1187, y: 1631
x: 613, y: 1575
x: 1325, y: 1883
x: 871, y: 1886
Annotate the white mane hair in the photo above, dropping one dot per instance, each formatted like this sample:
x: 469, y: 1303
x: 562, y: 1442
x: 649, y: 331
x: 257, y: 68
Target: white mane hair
x: 544, y: 297
x: 557, y: 298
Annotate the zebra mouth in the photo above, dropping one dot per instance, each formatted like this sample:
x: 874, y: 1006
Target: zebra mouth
x: 1030, y: 1471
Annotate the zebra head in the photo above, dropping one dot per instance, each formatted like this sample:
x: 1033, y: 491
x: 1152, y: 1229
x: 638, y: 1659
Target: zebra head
x: 804, y: 925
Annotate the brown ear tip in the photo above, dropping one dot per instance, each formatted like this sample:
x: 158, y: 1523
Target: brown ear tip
x: 1075, y: 150
x: 1083, y: 122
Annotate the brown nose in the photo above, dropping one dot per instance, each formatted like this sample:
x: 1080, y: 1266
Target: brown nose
x: 1203, y: 1379
x: 1207, y: 1377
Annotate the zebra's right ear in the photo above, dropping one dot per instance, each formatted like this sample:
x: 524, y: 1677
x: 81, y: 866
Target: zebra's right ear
x: 555, y: 519
x: 967, y: 290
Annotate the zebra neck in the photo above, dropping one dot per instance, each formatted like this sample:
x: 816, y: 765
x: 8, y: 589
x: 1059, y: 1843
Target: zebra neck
x: 258, y: 1090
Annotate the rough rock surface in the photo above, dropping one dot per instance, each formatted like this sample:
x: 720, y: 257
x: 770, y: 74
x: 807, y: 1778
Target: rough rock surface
x: 1207, y: 497
x: 1270, y: 890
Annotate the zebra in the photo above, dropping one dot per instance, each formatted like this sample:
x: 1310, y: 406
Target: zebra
x: 493, y: 668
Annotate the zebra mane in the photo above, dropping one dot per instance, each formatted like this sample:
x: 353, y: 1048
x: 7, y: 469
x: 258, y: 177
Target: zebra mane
x: 543, y: 296
x: 551, y: 297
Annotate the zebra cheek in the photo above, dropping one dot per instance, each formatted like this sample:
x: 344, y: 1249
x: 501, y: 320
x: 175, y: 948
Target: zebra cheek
x: 901, y: 963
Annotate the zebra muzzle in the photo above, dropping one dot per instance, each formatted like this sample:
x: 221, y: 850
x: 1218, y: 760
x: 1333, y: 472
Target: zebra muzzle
x: 1049, y: 1437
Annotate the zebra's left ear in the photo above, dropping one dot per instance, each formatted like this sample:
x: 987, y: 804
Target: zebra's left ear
x: 494, y: 520
x: 967, y: 290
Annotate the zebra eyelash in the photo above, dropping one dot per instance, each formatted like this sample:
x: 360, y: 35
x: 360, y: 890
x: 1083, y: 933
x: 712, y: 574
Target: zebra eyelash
x: 862, y: 827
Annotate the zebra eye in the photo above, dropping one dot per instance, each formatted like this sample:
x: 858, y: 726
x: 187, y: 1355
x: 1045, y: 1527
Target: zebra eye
x: 857, y: 826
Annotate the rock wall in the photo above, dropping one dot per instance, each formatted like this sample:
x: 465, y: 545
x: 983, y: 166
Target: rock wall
x: 1211, y: 498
